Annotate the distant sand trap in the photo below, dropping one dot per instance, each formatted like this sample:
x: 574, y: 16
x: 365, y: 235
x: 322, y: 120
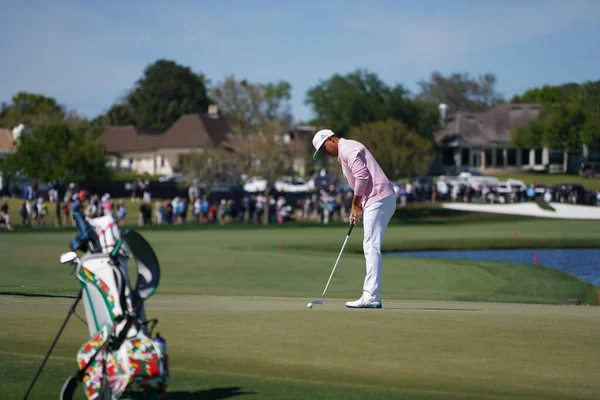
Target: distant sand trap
x: 562, y: 211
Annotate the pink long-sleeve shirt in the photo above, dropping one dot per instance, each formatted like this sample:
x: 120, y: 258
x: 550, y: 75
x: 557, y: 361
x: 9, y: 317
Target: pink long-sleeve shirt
x: 363, y: 173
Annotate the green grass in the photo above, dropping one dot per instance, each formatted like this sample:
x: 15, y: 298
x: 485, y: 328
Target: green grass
x: 273, y: 348
x: 232, y: 306
x: 238, y: 260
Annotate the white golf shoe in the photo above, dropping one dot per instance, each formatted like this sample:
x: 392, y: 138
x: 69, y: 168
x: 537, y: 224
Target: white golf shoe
x: 365, y: 301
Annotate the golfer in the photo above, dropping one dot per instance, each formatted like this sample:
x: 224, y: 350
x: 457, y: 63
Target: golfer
x: 374, y: 200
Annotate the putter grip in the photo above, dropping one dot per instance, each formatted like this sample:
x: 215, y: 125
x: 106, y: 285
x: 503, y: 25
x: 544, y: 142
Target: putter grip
x: 350, y: 230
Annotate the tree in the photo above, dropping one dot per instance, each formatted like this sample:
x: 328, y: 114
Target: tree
x: 55, y: 153
x: 165, y: 92
x: 546, y: 94
x: 210, y: 166
x: 461, y: 92
x: 31, y: 109
x: 569, y: 119
x: 398, y: 150
x: 590, y: 133
x: 562, y: 127
x: 120, y: 114
x: 342, y: 102
x: 530, y: 135
x: 247, y: 106
x: 260, y: 154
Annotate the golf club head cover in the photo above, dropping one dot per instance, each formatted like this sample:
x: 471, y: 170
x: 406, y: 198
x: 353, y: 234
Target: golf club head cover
x: 86, y: 238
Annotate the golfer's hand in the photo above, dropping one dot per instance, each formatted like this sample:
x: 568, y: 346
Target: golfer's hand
x: 355, y: 215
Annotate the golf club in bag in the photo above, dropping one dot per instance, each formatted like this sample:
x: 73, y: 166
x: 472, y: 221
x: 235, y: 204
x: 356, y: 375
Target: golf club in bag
x: 322, y: 301
x: 120, y: 359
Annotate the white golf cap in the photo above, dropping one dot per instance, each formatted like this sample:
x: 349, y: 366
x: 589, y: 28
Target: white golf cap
x: 318, y: 140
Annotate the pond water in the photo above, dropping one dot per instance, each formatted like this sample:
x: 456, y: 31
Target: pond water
x: 582, y: 263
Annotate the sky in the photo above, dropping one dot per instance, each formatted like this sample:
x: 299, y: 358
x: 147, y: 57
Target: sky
x: 88, y: 54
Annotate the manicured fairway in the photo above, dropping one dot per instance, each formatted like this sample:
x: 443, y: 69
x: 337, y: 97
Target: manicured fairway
x: 232, y: 306
x: 275, y: 348
x: 250, y: 262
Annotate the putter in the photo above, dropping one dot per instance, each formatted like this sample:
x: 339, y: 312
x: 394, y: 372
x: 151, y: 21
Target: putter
x: 322, y: 301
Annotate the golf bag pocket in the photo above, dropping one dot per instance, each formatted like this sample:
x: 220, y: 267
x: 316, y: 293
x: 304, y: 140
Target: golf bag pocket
x: 136, y: 369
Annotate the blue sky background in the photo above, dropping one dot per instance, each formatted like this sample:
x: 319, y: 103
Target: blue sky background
x: 89, y: 53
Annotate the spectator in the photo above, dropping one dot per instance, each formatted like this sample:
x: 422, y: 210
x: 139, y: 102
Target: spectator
x: 52, y: 195
x: 212, y: 213
x: 184, y: 210
x: 107, y: 205
x: 280, y: 205
x: 146, y: 196
x: 169, y: 212
x: 42, y: 211
x: 121, y: 213
x: 531, y: 193
x: 66, y: 210
x: 197, y: 209
x: 178, y: 210
x: 205, y: 210
x: 260, y: 207
x: 145, y: 214
x: 25, y: 216
x: 159, y: 212
x: 92, y: 209
x: 5, y: 217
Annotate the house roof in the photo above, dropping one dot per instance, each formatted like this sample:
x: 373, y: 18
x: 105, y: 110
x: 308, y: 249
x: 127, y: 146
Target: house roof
x: 7, y: 143
x: 189, y: 131
x: 486, y: 129
x: 128, y: 139
x: 196, y: 130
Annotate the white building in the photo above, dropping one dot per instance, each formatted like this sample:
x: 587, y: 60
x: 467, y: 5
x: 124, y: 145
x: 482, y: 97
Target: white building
x: 482, y: 141
x: 161, y: 153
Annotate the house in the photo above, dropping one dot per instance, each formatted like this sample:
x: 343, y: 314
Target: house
x: 483, y: 141
x: 162, y: 153
x: 300, y: 137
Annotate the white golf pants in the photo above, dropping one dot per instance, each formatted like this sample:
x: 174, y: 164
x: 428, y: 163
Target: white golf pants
x: 376, y: 218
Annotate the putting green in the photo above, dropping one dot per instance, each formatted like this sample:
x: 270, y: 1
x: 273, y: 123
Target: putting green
x: 275, y: 348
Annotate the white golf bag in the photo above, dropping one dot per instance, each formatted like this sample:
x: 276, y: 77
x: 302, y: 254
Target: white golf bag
x: 120, y: 360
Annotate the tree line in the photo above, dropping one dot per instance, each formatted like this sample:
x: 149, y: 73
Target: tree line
x: 396, y: 125
x: 569, y: 118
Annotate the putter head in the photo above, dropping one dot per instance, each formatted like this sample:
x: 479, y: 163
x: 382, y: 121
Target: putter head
x: 318, y: 301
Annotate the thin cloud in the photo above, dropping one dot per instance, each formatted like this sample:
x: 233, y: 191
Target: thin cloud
x: 425, y: 40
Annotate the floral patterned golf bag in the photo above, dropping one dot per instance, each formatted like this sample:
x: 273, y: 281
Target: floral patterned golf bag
x: 120, y: 360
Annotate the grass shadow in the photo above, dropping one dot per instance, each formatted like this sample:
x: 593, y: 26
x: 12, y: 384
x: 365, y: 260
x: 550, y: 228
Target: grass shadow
x: 209, y: 394
x: 435, y: 214
x: 26, y: 294
x: 545, y: 206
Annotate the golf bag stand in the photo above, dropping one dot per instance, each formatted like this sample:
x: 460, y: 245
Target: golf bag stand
x: 64, y: 324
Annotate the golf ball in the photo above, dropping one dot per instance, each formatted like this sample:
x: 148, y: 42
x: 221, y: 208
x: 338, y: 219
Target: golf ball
x: 309, y: 305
